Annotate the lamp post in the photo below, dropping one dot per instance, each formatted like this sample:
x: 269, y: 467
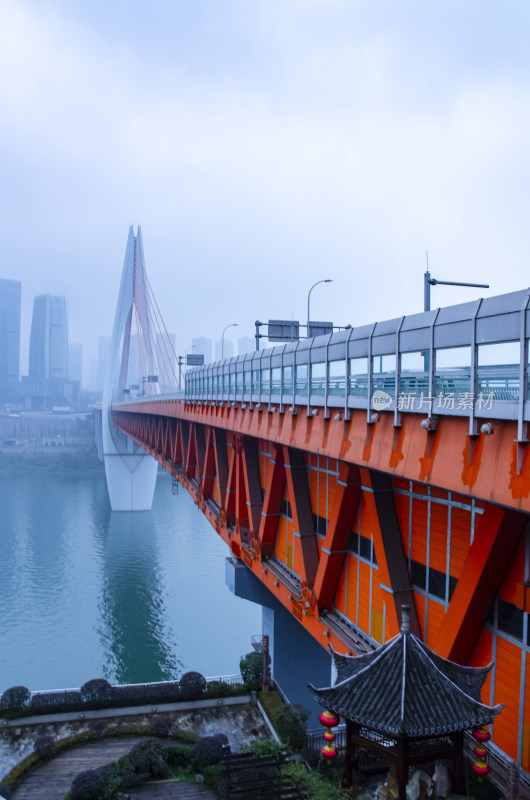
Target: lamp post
x: 232, y: 325
x: 428, y: 282
x: 324, y: 280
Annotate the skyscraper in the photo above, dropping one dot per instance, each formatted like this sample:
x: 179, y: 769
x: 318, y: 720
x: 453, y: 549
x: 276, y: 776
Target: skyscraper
x: 48, y: 386
x: 48, y: 346
x: 10, y: 293
x: 75, y: 363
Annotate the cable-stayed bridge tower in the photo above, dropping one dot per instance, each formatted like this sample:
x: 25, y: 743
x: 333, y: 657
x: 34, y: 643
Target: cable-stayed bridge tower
x: 130, y: 471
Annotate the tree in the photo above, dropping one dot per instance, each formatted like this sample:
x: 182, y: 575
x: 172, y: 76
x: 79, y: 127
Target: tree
x: 251, y: 668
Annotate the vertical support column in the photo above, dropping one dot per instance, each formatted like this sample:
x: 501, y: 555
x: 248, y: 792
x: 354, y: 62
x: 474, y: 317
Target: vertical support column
x: 388, y: 545
x: 341, y: 519
x: 274, y: 489
x: 300, y: 498
x: 221, y: 462
x: 252, y: 483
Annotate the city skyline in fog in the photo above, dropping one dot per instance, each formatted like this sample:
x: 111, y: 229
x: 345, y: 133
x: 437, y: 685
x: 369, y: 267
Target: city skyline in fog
x: 263, y: 146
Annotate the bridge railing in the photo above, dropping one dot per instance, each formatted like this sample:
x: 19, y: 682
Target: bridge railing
x: 470, y: 360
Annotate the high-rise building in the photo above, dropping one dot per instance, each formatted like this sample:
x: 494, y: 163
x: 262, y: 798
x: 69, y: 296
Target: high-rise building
x: 202, y: 347
x: 10, y: 294
x: 75, y: 362
x: 48, y: 346
x: 245, y: 345
x: 224, y: 349
x: 48, y: 385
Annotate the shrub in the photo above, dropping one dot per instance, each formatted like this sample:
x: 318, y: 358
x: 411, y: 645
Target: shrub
x: 111, y: 776
x: 265, y: 747
x: 15, y: 699
x: 251, y: 667
x: 149, y: 757
x: 43, y: 743
x: 53, y: 702
x: 222, y: 689
x: 289, y: 721
x: 311, y: 784
x: 192, y: 685
x: 161, y: 725
x: 311, y: 756
x: 88, y: 785
x: 179, y: 755
x: 96, y: 693
x: 212, y: 775
x: 211, y: 749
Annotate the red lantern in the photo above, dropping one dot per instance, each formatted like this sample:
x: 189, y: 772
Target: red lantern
x: 480, y: 767
x: 329, y: 752
x: 329, y: 720
x: 481, y: 734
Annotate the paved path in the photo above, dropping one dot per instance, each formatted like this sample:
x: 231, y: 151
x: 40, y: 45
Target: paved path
x: 53, y: 779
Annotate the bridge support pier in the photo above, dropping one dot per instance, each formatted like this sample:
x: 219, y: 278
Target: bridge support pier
x: 296, y: 658
x: 131, y: 480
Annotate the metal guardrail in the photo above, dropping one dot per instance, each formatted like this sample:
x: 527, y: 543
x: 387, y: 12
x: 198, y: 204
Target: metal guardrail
x: 469, y: 360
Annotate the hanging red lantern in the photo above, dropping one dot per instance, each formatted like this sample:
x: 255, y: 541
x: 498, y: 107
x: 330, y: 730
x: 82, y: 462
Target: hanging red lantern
x: 329, y: 720
x: 480, y: 767
x: 481, y: 734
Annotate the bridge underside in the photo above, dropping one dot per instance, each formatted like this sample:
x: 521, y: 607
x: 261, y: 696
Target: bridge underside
x: 344, y: 522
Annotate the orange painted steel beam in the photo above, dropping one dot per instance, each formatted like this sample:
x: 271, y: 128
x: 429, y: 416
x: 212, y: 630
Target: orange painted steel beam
x: 200, y: 449
x: 221, y: 463
x: 274, y: 491
x: 494, y: 544
x: 250, y: 465
x: 208, y: 475
x: 341, y: 518
x: 300, y: 499
x: 241, y: 506
x: 388, y: 545
x: 229, y: 505
x: 490, y: 470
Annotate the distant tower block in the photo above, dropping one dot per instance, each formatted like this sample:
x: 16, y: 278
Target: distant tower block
x: 130, y: 471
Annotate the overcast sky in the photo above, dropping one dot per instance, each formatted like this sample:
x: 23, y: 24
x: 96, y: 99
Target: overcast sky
x: 263, y: 145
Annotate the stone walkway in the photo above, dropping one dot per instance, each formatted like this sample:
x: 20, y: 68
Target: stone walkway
x: 53, y: 779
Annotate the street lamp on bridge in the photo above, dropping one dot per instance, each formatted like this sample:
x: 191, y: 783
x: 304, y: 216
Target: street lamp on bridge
x: 324, y: 280
x: 232, y: 325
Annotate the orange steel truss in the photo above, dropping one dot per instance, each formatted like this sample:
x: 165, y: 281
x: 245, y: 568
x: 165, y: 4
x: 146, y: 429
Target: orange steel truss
x: 344, y: 522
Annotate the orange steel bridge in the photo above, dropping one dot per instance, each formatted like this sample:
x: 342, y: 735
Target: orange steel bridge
x: 344, y: 513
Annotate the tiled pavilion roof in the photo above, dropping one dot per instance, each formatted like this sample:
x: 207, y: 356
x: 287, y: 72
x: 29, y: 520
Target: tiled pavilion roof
x: 404, y: 688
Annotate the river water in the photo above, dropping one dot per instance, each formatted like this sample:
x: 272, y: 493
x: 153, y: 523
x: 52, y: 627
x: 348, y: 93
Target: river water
x: 86, y: 592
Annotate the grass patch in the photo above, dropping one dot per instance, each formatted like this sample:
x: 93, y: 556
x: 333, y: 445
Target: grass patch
x: 270, y: 702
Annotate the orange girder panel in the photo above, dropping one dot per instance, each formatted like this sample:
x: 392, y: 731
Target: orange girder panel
x: 221, y: 463
x: 340, y: 523
x: 388, y: 545
x: 274, y: 490
x: 488, y: 557
x: 488, y: 469
x: 250, y: 464
x: 300, y: 499
x: 208, y: 474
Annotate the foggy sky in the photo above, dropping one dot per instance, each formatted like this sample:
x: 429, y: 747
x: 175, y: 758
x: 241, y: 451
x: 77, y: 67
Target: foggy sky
x: 262, y: 145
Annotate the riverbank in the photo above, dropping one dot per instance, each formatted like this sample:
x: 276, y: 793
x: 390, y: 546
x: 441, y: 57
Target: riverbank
x: 56, y: 460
